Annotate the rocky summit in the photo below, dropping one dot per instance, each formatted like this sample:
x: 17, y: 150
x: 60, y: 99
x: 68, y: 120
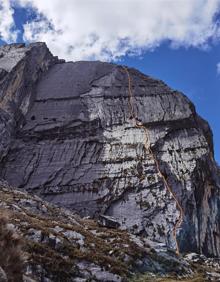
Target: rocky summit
x: 105, y: 144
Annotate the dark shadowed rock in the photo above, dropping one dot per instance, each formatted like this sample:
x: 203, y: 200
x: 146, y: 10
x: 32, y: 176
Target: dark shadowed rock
x: 68, y: 136
x: 108, y: 221
x: 20, y: 69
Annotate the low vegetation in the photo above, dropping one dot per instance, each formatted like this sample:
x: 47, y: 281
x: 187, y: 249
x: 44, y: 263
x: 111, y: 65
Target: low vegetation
x: 149, y: 278
x: 11, y: 254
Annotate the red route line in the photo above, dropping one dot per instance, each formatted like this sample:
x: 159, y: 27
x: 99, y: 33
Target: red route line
x: 138, y: 124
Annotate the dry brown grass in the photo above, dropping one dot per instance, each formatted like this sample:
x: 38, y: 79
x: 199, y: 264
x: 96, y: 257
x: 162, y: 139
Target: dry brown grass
x: 147, y: 278
x: 11, y: 255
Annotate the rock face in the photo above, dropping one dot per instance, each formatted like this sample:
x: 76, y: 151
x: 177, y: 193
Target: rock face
x: 20, y: 68
x: 101, y: 139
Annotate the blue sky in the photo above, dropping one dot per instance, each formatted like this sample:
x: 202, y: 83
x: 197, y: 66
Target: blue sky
x: 180, y: 46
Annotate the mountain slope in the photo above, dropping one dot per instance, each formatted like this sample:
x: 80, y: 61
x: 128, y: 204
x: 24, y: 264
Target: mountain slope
x: 102, y: 139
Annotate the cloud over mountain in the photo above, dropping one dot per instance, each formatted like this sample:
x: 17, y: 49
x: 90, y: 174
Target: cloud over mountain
x: 218, y: 68
x: 98, y: 29
x: 7, y: 32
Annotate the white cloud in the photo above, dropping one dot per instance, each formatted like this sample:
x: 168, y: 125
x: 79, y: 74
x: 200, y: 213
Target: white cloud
x: 7, y: 31
x: 108, y: 29
x: 218, y: 68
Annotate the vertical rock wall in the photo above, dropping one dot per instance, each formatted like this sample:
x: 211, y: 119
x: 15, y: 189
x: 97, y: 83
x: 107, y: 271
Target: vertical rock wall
x: 20, y: 69
x: 78, y: 146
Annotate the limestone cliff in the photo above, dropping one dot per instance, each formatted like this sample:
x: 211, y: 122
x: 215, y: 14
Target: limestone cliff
x: 105, y: 140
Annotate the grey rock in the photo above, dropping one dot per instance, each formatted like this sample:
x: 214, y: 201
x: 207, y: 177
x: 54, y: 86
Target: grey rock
x: 58, y: 229
x: 28, y: 279
x: 108, y: 221
x: 79, y: 279
x: 97, y: 273
x: 213, y: 276
x: 3, y: 277
x: 67, y: 135
x: 73, y: 235
x: 35, y: 235
x: 20, y: 68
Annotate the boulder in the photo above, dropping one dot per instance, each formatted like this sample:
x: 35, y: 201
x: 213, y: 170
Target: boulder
x: 108, y: 221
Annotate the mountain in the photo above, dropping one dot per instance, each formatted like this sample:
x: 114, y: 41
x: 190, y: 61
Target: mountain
x: 107, y: 142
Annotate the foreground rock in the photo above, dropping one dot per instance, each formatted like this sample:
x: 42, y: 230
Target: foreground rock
x: 67, y: 135
x: 60, y: 246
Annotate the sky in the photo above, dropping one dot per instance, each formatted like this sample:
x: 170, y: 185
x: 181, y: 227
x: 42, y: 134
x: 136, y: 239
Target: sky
x: 177, y: 41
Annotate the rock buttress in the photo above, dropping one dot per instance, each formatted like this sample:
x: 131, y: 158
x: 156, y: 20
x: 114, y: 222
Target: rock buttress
x: 20, y: 68
x: 78, y: 147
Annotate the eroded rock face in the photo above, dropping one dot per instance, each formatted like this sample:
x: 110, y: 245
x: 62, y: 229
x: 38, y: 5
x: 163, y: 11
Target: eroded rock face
x: 77, y: 146
x: 20, y: 68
